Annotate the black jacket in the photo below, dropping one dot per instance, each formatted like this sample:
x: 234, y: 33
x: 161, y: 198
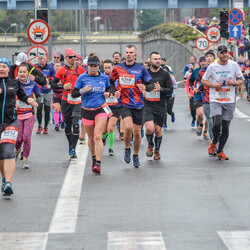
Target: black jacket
x: 10, y: 88
x: 39, y: 77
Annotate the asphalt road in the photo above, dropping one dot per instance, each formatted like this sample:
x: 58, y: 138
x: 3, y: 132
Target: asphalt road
x: 187, y: 200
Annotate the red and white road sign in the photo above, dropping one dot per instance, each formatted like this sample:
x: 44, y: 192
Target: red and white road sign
x: 201, y: 43
x: 38, y: 32
x: 213, y: 34
x: 34, y: 52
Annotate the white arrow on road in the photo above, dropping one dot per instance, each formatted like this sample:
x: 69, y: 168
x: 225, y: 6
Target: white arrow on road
x: 235, y: 30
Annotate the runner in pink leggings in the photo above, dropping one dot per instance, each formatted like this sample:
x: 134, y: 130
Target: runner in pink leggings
x: 25, y: 115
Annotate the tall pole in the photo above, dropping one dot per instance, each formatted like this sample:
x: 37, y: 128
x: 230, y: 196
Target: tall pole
x: 50, y: 39
x: 80, y: 24
x: 5, y: 44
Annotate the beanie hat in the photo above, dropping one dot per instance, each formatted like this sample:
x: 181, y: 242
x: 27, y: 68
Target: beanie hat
x: 21, y: 57
x: 5, y: 61
x: 78, y: 56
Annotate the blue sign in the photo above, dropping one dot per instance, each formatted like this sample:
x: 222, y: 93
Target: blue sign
x: 235, y: 31
x: 235, y: 16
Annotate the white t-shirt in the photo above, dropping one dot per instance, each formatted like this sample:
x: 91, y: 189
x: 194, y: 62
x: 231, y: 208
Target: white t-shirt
x: 220, y: 73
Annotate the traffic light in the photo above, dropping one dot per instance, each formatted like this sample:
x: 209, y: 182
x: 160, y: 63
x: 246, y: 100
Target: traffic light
x: 224, y: 24
x: 42, y: 14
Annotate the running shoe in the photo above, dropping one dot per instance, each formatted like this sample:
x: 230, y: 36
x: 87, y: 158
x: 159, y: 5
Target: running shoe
x: 150, y: 151
x: 173, y: 117
x: 241, y: 95
x: 45, y: 131
x: 136, y: 162
x: 72, y: 154
x: 127, y: 155
x: 142, y: 132
x: 205, y: 135
x: 3, y: 185
x: 82, y: 141
x: 39, y: 130
x: 165, y: 127
x: 56, y: 127
x: 211, y: 148
x: 121, y: 136
x: 199, y: 131
x: 17, y: 155
x: 222, y: 156
x: 62, y: 125
x: 157, y: 156
x: 7, y: 189
x: 96, y: 168
x: 111, y: 152
x: 193, y: 123
x: 26, y: 164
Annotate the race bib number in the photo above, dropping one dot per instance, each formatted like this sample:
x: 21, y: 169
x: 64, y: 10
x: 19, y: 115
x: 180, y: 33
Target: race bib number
x: 72, y: 100
x: 127, y: 81
x: 222, y: 95
x: 107, y: 109
x: 23, y: 106
x: 112, y: 100
x: 153, y: 96
x: 9, y: 135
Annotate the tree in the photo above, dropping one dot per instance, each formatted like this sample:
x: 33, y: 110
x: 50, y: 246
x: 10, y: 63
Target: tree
x: 149, y: 18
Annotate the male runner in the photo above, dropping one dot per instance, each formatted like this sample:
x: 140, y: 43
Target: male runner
x: 131, y: 76
x: 155, y: 104
x: 222, y: 77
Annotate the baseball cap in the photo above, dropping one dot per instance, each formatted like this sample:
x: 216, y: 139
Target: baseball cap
x: 221, y: 48
x: 93, y: 61
x: 21, y: 57
x: 69, y: 51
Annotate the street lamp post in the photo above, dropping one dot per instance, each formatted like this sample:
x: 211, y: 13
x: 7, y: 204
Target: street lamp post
x: 5, y: 34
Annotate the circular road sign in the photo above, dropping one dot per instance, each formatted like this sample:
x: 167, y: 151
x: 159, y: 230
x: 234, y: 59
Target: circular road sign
x: 34, y: 52
x: 201, y: 43
x: 213, y: 34
x: 235, y: 16
x: 38, y: 32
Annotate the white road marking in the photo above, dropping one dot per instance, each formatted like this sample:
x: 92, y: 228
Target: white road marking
x: 135, y: 241
x: 22, y: 241
x: 239, y: 114
x: 236, y: 240
x: 65, y: 214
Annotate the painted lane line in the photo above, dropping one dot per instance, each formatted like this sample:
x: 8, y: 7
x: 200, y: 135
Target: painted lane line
x: 65, y: 214
x: 21, y: 241
x: 236, y: 240
x: 135, y: 241
x: 239, y: 114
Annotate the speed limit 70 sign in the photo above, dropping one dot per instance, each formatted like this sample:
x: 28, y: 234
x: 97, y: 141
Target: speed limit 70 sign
x: 202, y: 43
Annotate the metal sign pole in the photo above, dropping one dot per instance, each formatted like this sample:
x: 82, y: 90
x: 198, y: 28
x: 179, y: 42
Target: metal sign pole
x: 50, y: 38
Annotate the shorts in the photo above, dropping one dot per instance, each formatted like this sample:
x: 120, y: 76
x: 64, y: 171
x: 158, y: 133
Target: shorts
x: 7, y: 148
x: 226, y: 110
x: 47, y: 99
x: 70, y: 111
x: 116, y: 111
x: 57, y: 97
x: 136, y: 114
x: 154, y: 115
x: 197, y: 104
x: 89, y: 115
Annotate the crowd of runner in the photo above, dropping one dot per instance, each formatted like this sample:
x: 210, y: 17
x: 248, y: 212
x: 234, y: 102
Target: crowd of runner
x: 95, y: 97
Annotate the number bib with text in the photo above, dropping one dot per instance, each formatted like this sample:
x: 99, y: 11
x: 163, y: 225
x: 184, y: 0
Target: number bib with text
x: 222, y: 95
x: 23, y: 106
x: 112, y: 100
x: 72, y: 100
x: 9, y: 135
x: 107, y: 109
x: 127, y: 81
x: 153, y: 96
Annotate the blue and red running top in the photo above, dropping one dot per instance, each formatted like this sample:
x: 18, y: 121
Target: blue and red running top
x: 128, y: 77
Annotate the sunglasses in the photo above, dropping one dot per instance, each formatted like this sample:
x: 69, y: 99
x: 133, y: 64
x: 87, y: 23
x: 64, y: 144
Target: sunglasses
x: 70, y: 57
x: 56, y: 57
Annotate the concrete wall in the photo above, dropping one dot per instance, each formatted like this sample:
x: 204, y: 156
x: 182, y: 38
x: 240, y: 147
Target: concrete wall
x: 177, y: 55
x: 102, y: 50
